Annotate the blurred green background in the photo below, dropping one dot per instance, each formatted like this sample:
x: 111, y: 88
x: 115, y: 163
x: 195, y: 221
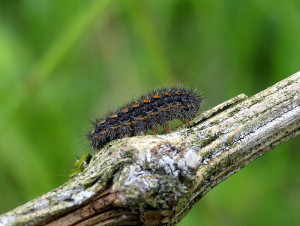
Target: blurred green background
x: 63, y: 63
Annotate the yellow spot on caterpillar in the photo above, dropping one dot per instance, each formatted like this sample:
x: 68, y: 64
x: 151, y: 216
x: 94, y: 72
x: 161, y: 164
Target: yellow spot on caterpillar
x: 157, y: 96
x: 99, y: 123
x: 113, y: 116
x: 174, y: 106
x: 143, y: 118
x: 177, y: 92
x: 146, y: 100
x: 135, y: 106
x: 164, y: 109
x: 129, y: 123
x: 116, y: 127
x: 168, y: 94
x: 104, y: 132
x: 125, y: 111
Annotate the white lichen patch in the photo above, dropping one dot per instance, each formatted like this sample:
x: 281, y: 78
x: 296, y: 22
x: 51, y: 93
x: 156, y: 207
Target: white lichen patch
x: 7, y: 220
x: 268, y: 126
x: 68, y: 193
x: 162, y: 170
x: 140, y: 179
x: 82, y: 196
x: 192, y: 159
x: 174, y: 136
x: 44, y: 203
x: 124, y: 216
x: 202, y: 135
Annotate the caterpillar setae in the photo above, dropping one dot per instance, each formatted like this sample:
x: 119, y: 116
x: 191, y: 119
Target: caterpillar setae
x: 147, y: 112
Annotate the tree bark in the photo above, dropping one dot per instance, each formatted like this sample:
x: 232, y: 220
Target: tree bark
x: 149, y: 180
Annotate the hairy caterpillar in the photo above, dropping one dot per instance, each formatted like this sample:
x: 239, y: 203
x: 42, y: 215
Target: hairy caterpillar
x: 147, y: 112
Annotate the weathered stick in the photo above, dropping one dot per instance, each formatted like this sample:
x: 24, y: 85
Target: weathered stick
x: 157, y: 179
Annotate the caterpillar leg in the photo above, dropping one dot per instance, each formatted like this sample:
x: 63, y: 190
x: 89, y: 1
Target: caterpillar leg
x: 154, y: 128
x: 166, y: 127
x: 155, y: 131
x: 186, y: 121
x: 142, y: 133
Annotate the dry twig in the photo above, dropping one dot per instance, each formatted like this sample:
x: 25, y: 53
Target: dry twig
x: 157, y: 179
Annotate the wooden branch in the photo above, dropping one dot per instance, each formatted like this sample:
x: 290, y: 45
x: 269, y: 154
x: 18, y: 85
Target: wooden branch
x: 157, y: 179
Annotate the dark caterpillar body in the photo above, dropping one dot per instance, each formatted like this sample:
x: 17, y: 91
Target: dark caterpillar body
x: 147, y: 112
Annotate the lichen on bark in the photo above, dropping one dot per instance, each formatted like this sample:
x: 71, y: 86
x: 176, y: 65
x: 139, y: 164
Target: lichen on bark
x: 157, y: 179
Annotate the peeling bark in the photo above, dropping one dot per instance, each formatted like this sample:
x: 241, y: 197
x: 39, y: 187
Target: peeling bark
x: 157, y: 179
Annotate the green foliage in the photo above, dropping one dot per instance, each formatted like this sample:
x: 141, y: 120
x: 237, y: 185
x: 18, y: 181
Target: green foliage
x: 63, y: 63
x: 80, y: 164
